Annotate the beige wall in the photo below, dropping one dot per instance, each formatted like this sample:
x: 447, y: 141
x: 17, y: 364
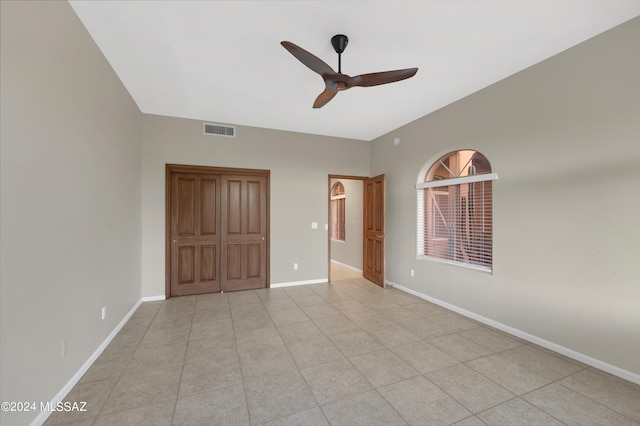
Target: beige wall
x: 70, y: 200
x: 563, y: 137
x: 299, y: 163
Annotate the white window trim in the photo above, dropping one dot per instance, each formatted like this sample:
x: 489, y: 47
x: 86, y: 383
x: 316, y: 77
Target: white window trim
x: 475, y: 267
x: 458, y: 180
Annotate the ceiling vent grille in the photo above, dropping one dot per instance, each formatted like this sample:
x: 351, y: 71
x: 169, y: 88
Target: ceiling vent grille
x: 219, y: 130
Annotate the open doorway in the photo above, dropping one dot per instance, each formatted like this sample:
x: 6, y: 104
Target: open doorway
x: 345, y: 200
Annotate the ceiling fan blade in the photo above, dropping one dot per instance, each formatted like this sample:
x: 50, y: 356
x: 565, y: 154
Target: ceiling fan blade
x: 377, y: 78
x: 324, y: 98
x: 310, y: 60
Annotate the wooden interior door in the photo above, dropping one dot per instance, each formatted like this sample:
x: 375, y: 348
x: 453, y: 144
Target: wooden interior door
x: 244, y: 230
x: 374, y: 229
x: 194, y: 235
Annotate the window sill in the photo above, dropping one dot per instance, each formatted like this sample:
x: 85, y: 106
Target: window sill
x: 479, y: 268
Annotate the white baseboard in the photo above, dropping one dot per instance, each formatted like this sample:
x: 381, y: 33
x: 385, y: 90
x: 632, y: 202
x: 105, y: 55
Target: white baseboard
x: 292, y: 283
x: 593, y: 362
x: 344, y: 265
x: 44, y: 415
x: 153, y: 298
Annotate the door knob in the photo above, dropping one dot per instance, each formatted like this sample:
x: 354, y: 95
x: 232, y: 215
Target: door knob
x: 174, y: 241
x: 262, y: 238
x: 380, y: 236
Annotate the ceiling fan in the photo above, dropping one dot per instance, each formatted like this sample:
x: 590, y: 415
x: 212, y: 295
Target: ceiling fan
x: 336, y: 81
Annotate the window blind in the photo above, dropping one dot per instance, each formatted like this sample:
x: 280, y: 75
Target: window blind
x: 455, y: 220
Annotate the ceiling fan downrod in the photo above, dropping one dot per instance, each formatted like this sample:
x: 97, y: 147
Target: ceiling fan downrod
x: 339, y: 43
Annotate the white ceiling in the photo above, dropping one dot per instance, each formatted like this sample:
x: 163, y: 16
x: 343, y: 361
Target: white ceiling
x: 222, y: 62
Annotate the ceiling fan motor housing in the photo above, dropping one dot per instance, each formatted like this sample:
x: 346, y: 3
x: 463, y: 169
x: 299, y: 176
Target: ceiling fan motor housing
x: 339, y: 42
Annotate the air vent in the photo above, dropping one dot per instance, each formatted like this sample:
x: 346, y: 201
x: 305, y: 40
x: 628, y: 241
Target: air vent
x: 219, y: 130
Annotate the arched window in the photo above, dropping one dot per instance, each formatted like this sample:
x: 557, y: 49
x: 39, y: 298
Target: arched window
x: 455, y: 206
x: 338, y: 201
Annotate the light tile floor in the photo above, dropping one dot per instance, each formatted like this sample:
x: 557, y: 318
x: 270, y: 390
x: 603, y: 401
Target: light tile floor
x: 342, y: 353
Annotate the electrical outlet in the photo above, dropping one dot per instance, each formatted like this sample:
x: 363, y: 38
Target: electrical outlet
x: 412, y: 272
x: 104, y: 312
x: 295, y: 266
x: 64, y: 348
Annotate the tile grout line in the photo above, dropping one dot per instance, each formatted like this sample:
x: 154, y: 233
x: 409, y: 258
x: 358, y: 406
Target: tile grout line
x: 326, y: 293
x: 242, y: 373
x: 591, y: 399
x: 184, y: 362
x: 127, y: 362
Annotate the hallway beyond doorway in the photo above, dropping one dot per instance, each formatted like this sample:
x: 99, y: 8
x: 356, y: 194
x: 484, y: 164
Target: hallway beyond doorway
x: 342, y: 272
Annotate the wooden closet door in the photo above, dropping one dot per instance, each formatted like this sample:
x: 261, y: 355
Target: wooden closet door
x: 244, y: 232
x: 195, y: 233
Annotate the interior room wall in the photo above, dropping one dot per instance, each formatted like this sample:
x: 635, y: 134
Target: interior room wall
x: 299, y: 164
x: 349, y: 251
x: 70, y: 200
x: 563, y: 138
